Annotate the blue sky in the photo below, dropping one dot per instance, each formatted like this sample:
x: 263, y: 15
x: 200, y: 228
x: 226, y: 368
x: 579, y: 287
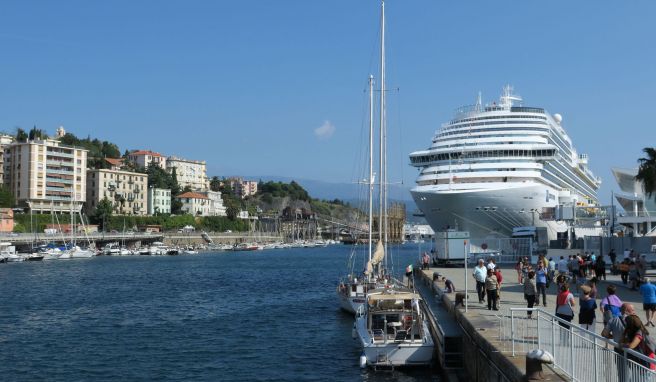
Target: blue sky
x: 246, y: 84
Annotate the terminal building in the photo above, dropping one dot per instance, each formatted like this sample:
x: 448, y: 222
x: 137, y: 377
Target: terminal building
x: 639, y: 210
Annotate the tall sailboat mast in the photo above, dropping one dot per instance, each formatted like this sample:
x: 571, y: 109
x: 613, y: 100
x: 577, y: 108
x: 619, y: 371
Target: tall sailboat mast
x: 381, y: 193
x: 371, y: 162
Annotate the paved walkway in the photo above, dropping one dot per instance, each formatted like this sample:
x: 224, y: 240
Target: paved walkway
x: 486, y: 322
x: 512, y: 293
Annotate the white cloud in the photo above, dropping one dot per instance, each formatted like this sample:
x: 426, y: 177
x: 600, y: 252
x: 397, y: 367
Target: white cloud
x: 325, y: 131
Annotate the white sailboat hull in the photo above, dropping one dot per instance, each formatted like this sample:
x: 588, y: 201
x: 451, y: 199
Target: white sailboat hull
x: 350, y: 304
x: 392, y: 353
x: 82, y: 254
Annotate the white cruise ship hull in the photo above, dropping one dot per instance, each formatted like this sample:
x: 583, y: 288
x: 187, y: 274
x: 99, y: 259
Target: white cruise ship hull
x: 485, y: 211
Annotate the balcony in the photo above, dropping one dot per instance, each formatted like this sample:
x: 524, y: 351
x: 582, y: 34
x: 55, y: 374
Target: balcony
x: 53, y: 171
x: 59, y: 163
x: 59, y: 154
x: 59, y: 180
x: 59, y: 189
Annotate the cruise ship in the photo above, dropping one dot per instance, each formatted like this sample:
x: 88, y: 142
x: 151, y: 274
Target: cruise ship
x: 502, y: 165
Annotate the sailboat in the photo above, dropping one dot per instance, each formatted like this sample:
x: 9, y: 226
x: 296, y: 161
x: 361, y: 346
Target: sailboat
x: 352, y: 290
x: 391, y: 325
x: 75, y: 251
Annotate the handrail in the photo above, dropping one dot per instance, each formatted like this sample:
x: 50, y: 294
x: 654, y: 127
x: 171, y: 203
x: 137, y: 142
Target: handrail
x: 587, y: 332
x: 574, y: 348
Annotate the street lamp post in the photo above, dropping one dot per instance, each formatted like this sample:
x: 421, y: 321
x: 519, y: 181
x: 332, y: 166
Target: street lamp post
x: 466, y: 275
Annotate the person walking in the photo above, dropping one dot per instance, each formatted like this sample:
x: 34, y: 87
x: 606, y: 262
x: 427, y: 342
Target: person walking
x: 408, y: 275
x: 425, y: 261
x: 592, y: 283
x: 480, y: 274
x: 648, y: 292
x: 491, y: 287
x: 610, y: 305
x: 614, y: 329
x: 600, y: 268
x: 491, y: 264
x: 613, y: 256
x: 551, y: 273
x: 587, y: 308
x: 530, y: 291
x: 634, y: 338
x: 541, y: 283
x: 565, y: 305
x: 497, y: 273
x: 624, y: 270
x: 563, y: 266
x: 633, y: 275
x: 518, y: 268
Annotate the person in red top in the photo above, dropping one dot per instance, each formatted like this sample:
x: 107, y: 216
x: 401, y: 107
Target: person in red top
x: 634, y: 334
x: 497, y: 273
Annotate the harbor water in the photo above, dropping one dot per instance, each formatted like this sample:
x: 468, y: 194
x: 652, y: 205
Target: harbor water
x: 229, y: 316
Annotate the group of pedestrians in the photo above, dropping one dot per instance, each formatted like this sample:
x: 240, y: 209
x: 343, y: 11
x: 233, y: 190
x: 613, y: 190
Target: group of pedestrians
x: 488, y: 283
x: 582, y: 273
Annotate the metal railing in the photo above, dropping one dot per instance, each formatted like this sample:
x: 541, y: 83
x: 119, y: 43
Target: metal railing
x: 578, y: 353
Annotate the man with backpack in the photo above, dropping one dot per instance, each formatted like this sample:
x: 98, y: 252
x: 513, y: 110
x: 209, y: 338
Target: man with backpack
x: 615, y: 329
x: 610, y: 305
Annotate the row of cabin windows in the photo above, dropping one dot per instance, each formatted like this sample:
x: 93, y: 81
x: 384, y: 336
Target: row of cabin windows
x: 498, y: 117
x: 481, y: 154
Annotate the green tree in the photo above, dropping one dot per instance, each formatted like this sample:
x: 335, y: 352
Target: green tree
x: 19, y: 228
x: 232, y: 208
x: 6, y: 198
x: 37, y: 134
x: 215, y: 183
x: 21, y: 135
x: 647, y: 170
x: 158, y: 177
x: 176, y: 206
x: 110, y: 150
x: 174, y: 185
x: 104, y: 211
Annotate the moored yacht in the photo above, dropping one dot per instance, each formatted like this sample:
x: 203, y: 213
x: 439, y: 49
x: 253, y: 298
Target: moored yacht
x: 392, y: 329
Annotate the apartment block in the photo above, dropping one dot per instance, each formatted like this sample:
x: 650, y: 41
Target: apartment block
x: 243, y: 188
x: 159, y: 201
x: 5, y: 140
x: 190, y: 173
x: 208, y: 203
x: 126, y: 190
x: 46, y: 175
x: 194, y: 203
x: 143, y: 158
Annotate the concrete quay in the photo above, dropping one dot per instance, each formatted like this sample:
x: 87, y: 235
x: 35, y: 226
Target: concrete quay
x: 486, y: 357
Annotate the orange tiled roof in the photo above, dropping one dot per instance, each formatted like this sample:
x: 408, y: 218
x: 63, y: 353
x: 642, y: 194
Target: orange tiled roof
x: 146, y: 152
x: 192, y: 195
x: 114, y: 162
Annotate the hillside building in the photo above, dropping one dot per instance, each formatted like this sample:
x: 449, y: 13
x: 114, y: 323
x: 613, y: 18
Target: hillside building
x: 126, y: 190
x: 191, y: 173
x: 46, y: 175
x: 208, y: 203
x: 143, y: 158
x: 159, y: 201
x: 242, y: 188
